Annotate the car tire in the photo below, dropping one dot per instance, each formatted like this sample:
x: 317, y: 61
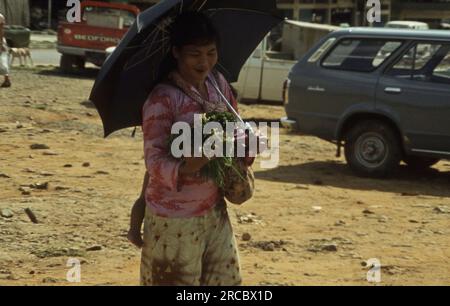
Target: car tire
x: 372, y: 149
x: 67, y: 62
x: 420, y: 162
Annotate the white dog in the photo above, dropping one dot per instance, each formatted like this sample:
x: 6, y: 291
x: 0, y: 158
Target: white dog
x: 23, y: 54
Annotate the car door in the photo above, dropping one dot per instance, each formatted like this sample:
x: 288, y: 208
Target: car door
x: 275, y: 73
x: 250, y: 75
x: 262, y: 77
x: 416, y: 91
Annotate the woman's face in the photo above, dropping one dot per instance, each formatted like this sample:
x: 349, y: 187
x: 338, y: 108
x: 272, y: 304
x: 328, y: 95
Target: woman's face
x: 195, y: 62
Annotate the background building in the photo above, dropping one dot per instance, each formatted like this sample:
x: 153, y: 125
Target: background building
x: 433, y: 12
x: 16, y: 11
x: 333, y: 12
x: 35, y: 13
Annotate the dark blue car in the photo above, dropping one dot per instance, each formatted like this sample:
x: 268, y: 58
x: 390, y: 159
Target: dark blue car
x: 383, y: 94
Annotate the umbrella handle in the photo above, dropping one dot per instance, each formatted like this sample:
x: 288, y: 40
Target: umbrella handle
x: 230, y: 107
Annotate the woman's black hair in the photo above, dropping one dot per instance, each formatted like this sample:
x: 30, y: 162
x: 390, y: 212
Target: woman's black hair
x: 192, y: 28
x: 189, y: 28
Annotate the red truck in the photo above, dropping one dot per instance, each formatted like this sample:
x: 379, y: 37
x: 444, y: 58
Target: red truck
x: 102, y: 26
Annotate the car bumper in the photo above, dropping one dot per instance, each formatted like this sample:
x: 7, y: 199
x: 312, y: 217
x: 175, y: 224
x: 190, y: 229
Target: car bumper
x: 78, y: 51
x: 288, y: 123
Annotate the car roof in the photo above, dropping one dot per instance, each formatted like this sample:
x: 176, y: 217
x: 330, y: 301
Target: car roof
x: 394, y: 33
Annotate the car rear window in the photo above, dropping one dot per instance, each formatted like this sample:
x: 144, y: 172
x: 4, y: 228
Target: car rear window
x: 323, y: 48
x: 362, y: 55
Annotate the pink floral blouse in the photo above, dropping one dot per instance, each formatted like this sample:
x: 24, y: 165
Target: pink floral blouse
x: 167, y: 193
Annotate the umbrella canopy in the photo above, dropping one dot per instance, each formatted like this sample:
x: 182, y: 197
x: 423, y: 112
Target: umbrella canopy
x: 130, y: 72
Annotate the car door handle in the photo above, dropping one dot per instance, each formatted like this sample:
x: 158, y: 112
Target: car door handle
x: 316, y: 88
x: 393, y: 90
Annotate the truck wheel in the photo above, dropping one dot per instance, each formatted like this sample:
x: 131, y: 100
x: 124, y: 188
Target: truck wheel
x: 80, y: 62
x: 67, y: 62
x: 419, y: 162
x: 372, y: 149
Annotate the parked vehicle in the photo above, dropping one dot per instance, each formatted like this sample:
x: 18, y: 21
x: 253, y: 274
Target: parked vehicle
x: 412, y: 25
x: 103, y: 25
x: 372, y: 91
x: 445, y: 24
x: 17, y: 36
x: 263, y: 75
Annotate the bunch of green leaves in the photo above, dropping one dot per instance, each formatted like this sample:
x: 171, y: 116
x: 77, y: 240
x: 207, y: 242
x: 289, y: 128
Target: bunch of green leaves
x: 218, y: 167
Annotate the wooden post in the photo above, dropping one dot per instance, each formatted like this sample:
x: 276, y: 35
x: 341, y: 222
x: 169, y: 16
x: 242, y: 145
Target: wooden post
x: 49, y: 26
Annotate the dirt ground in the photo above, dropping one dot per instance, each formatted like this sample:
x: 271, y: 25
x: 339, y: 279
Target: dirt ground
x: 311, y: 221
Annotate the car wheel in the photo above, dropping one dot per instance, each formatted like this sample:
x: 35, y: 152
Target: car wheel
x: 67, y: 62
x: 419, y: 162
x: 372, y: 149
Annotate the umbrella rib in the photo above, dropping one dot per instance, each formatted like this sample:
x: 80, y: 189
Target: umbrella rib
x: 140, y: 46
x: 193, y: 4
x: 237, y: 9
x: 144, y: 59
x: 152, y: 33
x: 181, y: 6
x: 144, y: 41
x: 225, y: 69
x: 201, y: 6
x: 149, y: 47
x: 160, y: 26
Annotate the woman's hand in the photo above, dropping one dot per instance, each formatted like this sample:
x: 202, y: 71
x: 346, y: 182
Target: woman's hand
x: 192, y: 165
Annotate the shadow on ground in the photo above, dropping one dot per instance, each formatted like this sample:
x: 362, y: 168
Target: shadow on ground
x: 405, y: 181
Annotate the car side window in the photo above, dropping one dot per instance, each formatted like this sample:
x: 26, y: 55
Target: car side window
x: 362, y: 55
x: 420, y: 62
x: 441, y: 74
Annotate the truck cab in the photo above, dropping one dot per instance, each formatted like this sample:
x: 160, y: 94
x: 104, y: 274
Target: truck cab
x: 262, y: 76
x: 102, y: 26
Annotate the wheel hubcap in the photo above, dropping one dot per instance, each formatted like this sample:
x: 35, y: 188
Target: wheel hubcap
x: 371, y: 150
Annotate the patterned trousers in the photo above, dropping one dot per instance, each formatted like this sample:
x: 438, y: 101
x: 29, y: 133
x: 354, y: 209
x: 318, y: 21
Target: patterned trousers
x: 190, y: 251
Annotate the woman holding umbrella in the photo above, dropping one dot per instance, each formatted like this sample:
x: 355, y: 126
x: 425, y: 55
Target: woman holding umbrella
x: 188, y: 238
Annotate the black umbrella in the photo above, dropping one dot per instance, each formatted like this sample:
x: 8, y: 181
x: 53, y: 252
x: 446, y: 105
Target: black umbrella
x: 129, y: 74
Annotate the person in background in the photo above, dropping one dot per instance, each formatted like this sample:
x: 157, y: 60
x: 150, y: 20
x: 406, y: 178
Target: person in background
x: 4, y: 62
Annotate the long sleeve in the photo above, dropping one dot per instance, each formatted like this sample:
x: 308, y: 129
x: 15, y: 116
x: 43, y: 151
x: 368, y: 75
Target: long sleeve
x: 158, y: 118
